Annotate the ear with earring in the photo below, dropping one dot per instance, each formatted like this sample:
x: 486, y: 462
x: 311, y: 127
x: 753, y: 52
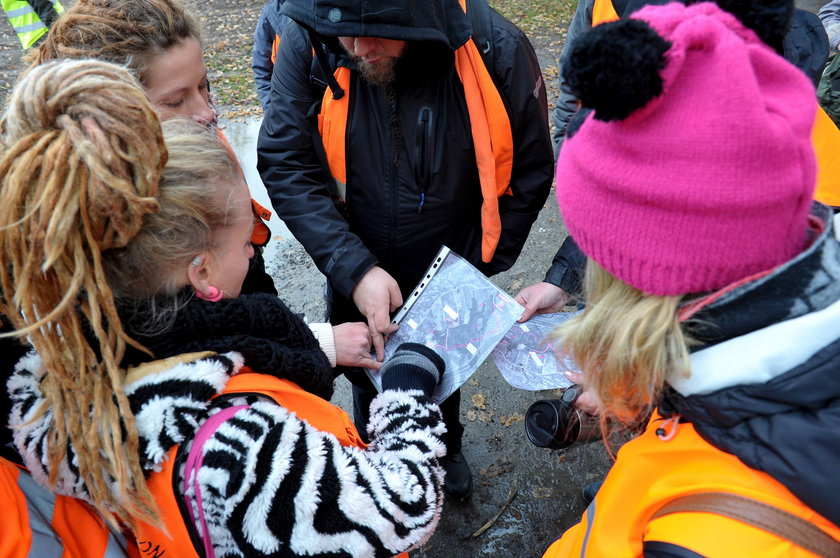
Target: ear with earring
x: 213, y: 294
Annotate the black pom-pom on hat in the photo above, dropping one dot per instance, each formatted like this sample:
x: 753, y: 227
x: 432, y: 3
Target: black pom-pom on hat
x: 614, y: 68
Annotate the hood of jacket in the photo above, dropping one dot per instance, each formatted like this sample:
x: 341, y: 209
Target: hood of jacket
x: 765, y: 385
x: 441, y: 21
x: 168, y: 398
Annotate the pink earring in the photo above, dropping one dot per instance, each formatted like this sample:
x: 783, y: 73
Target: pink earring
x: 214, y: 296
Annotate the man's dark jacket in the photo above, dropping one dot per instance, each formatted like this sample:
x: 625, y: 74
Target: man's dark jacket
x: 380, y: 223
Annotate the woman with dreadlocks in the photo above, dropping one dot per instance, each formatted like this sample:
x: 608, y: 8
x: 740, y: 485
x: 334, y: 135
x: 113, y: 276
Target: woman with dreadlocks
x: 160, y: 43
x: 59, y: 165
x: 141, y: 395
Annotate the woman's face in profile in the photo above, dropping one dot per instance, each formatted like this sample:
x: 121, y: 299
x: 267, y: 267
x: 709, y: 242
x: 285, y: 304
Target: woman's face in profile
x: 176, y: 83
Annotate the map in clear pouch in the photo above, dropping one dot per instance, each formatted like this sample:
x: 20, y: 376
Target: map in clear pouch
x: 528, y: 360
x: 457, y: 311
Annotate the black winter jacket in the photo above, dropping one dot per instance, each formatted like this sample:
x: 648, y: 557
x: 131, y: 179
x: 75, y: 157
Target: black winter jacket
x: 765, y: 384
x: 380, y: 223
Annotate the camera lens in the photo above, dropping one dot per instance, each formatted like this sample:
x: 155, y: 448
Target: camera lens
x: 541, y: 423
x: 551, y: 424
x: 557, y: 424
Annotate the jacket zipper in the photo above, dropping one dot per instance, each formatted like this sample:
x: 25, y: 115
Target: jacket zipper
x: 423, y: 170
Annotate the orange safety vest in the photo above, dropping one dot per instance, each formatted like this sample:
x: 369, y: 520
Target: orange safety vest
x: 318, y: 412
x: 649, y: 473
x: 603, y: 11
x: 490, y: 127
x: 36, y: 522
x: 825, y: 136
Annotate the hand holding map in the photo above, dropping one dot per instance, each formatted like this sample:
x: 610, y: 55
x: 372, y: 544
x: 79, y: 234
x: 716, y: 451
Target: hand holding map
x: 459, y: 313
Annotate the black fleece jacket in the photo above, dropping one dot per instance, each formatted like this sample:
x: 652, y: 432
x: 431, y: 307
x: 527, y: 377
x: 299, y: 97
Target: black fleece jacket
x: 271, y: 338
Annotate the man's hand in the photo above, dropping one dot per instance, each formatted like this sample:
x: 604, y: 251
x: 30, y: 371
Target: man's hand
x: 376, y: 295
x: 541, y: 298
x: 352, y: 345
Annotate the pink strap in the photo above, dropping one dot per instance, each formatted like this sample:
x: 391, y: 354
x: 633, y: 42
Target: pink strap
x: 193, y: 464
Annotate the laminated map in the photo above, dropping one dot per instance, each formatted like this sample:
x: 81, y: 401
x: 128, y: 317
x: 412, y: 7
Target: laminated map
x: 527, y: 360
x: 459, y: 313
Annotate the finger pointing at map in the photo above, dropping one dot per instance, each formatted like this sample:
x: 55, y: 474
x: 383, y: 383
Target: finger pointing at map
x: 457, y: 312
x: 377, y: 295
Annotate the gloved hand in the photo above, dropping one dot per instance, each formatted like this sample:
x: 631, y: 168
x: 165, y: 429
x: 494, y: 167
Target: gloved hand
x: 413, y: 366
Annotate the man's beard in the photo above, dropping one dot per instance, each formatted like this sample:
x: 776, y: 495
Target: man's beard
x: 381, y: 74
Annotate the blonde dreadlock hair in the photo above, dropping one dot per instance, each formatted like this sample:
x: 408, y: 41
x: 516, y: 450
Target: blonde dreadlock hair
x: 125, y: 32
x: 82, y: 157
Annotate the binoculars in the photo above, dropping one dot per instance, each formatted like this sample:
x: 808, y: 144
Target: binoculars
x: 557, y: 424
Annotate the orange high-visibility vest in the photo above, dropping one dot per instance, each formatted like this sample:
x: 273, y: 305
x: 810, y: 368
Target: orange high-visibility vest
x: 825, y: 136
x: 36, y: 522
x: 490, y: 127
x: 650, y: 472
x: 603, y: 11
x: 319, y: 413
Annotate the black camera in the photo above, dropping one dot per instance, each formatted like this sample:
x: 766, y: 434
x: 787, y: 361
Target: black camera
x: 558, y: 424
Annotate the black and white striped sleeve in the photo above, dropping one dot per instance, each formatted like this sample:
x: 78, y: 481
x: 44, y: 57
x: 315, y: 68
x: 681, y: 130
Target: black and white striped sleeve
x: 274, y: 486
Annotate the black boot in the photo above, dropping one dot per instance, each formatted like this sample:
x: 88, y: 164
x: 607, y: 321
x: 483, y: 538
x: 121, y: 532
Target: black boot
x: 458, y: 482
x: 590, y: 491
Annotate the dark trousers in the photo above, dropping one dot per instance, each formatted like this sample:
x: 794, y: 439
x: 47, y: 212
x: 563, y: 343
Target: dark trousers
x: 342, y: 311
x: 45, y: 10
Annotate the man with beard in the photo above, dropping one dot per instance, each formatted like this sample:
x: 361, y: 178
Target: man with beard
x: 391, y: 132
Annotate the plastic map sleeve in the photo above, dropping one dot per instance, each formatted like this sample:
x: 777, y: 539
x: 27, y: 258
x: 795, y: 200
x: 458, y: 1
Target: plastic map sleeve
x: 459, y: 313
x: 528, y: 361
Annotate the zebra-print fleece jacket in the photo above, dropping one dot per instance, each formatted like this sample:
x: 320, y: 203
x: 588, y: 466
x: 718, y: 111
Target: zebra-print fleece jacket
x: 271, y: 485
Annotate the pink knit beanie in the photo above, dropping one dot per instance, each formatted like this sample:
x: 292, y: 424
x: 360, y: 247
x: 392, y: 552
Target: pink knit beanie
x: 696, y: 168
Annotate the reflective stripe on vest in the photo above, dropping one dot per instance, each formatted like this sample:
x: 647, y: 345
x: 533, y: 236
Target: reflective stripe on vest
x: 649, y: 473
x: 490, y: 128
x: 603, y: 11
x: 25, y: 21
x: 37, y: 523
x: 319, y: 413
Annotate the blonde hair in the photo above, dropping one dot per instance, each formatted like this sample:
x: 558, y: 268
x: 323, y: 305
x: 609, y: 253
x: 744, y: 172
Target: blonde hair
x: 194, y: 199
x: 125, y: 32
x: 82, y: 158
x: 626, y: 342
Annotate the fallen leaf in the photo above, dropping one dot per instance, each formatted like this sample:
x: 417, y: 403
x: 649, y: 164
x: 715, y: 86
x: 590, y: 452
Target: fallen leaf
x: 507, y: 421
x: 542, y: 492
x: 478, y: 401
